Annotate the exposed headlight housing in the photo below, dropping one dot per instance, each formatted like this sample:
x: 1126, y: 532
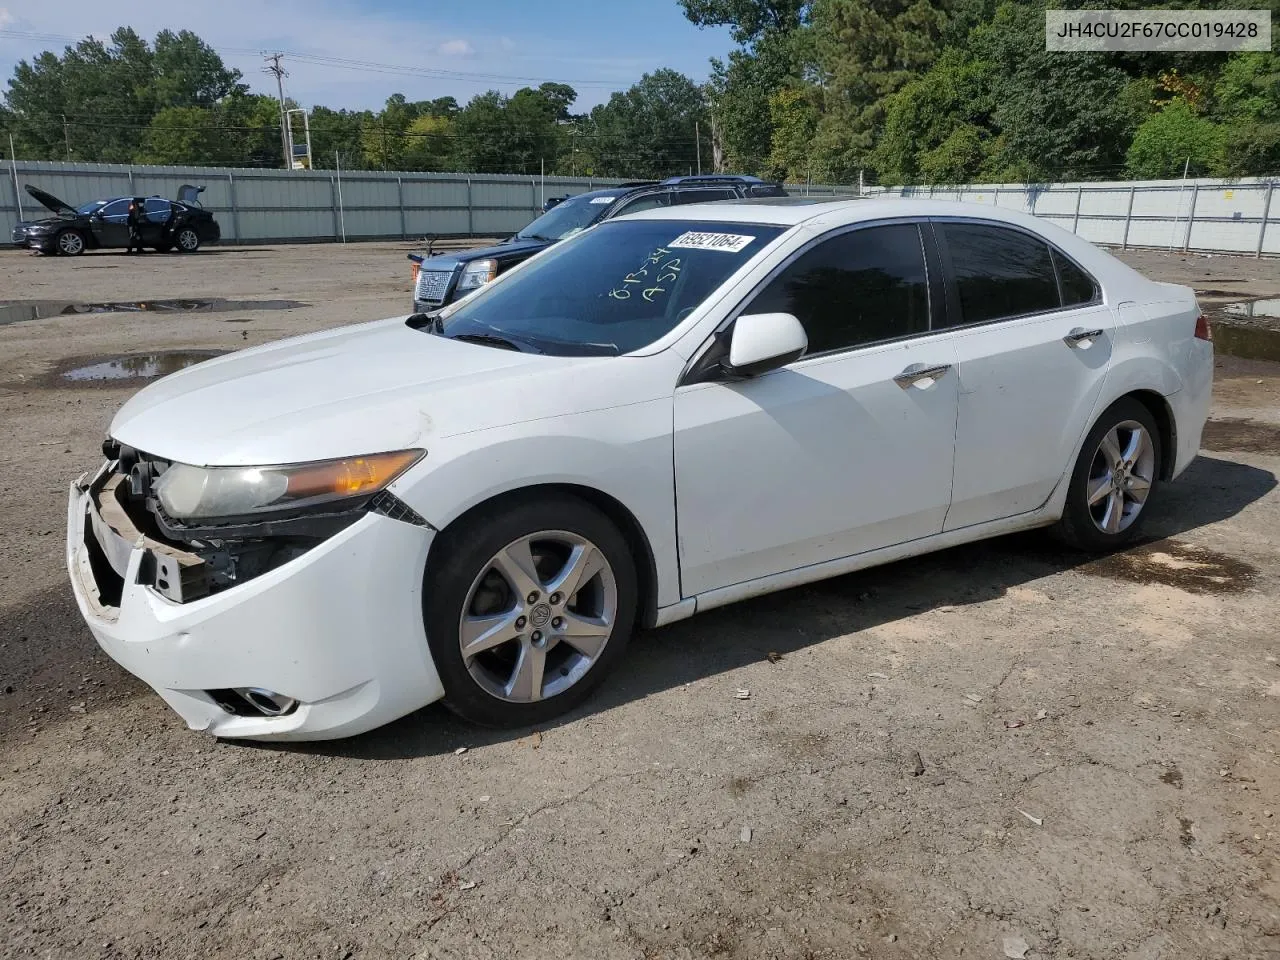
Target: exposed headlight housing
x: 205, y: 493
x: 476, y: 274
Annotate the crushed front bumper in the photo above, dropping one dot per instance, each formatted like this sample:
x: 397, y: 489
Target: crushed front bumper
x: 338, y: 628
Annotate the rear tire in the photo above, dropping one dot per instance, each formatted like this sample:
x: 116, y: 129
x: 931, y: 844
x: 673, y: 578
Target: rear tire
x: 535, y: 652
x: 1114, y: 480
x: 69, y: 243
x: 187, y: 240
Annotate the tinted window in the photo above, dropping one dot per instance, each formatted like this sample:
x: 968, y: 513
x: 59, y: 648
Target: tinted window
x: 1077, y: 286
x: 860, y: 287
x: 647, y: 202
x: 999, y: 272
x: 704, y: 196
x: 117, y: 208
x: 156, y: 209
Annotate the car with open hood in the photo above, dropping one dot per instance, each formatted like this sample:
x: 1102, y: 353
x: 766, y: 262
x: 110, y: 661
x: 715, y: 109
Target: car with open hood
x: 181, y: 224
x: 444, y: 278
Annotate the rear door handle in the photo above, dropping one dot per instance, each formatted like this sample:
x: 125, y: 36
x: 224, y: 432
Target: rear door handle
x: 1081, y: 339
x: 921, y: 376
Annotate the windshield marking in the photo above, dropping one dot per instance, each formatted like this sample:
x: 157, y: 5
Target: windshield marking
x: 666, y: 272
x: 726, y: 242
x: 603, y: 199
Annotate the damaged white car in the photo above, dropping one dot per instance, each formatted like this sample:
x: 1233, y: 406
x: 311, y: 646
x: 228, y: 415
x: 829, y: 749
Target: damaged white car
x: 666, y: 413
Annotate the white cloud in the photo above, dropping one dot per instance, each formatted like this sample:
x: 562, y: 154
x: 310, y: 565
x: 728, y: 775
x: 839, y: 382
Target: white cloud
x: 506, y: 43
x: 455, y: 48
x: 6, y: 17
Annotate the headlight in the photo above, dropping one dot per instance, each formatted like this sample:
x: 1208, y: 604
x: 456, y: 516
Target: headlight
x: 187, y: 492
x: 477, y: 274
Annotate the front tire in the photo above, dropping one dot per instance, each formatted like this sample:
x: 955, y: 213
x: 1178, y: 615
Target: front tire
x: 1114, y: 480
x: 70, y: 243
x: 527, y: 607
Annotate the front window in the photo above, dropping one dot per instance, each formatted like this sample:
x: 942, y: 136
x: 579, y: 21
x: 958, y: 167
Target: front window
x: 567, y: 218
x: 87, y: 208
x: 615, y: 289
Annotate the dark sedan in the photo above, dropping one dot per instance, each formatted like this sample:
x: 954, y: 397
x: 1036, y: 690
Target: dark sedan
x: 180, y: 224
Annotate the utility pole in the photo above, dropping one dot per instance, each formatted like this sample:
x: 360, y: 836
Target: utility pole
x: 66, y: 134
x: 697, y: 141
x: 273, y: 67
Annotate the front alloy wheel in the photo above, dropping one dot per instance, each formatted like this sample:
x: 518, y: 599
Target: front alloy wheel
x: 527, y: 605
x: 70, y: 243
x: 538, y: 617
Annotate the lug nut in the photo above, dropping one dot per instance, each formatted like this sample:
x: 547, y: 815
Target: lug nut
x: 558, y: 622
x: 556, y: 598
x: 533, y: 597
x: 520, y: 622
x: 537, y: 636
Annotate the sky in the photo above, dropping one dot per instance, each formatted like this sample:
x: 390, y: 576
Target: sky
x: 496, y: 44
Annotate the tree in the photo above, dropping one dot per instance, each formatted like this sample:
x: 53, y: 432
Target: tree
x: 431, y: 144
x: 649, y: 130
x: 794, y: 112
x: 1175, y: 139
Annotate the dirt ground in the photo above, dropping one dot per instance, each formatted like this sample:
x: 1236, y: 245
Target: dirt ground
x: 996, y: 747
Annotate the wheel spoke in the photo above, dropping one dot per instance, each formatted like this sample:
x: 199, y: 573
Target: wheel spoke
x: 1135, y: 448
x: 1110, y: 447
x: 515, y: 563
x: 1099, y: 488
x: 1115, y: 513
x: 480, y: 633
x: 584, y: 562
x: 526, y: 680
x: 1138, y: 488
x: 585, y: 634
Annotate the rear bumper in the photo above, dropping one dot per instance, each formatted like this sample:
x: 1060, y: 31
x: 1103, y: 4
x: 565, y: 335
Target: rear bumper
x: 339, y: 629
x: 1190, y: 405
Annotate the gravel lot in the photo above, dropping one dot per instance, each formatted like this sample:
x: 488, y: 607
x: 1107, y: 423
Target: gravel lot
x: 997, y: 747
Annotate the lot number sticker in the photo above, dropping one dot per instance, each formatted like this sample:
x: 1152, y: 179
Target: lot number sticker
x: 603, y: 199
x: 727, y: 242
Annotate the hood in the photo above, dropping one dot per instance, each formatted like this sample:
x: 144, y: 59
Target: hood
x: 499, y: 251
x: 60, y: 207
x: 358, y: 389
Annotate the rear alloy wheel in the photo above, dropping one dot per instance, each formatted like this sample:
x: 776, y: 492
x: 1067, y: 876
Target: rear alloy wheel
x: 528, y: 609
x: 70, y: 243
x: 187, y: 241
x: 1114, y: 478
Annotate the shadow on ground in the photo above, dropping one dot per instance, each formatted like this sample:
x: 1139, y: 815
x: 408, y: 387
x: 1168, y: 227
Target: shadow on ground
x: 1210, y: 491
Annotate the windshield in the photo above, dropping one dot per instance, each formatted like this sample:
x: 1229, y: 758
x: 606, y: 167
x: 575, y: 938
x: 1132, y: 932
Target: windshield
x: 567, y: 218
x: 87, y: 208
x: 615, y: 289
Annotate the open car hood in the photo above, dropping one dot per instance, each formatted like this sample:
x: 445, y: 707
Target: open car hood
x: 60, y: 207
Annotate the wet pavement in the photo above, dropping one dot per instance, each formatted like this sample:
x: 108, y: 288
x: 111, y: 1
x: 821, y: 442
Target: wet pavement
x: 20, y: 311
x: 141, y: 366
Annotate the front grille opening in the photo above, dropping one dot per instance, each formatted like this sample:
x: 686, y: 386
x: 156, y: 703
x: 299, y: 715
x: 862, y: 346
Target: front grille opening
x: 109, y: 583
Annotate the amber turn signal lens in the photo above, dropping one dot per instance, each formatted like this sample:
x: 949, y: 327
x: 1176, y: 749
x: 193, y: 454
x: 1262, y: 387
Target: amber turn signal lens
x: 350, y: 477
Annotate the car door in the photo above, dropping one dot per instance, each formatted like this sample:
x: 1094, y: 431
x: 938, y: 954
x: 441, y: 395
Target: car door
x: 155, y: 214
x: 1033, y: 346
x: 843, y: 451
x: 110, y: 225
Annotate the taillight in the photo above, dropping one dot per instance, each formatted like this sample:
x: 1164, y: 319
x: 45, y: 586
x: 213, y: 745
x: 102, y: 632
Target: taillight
x: 1202, y: 328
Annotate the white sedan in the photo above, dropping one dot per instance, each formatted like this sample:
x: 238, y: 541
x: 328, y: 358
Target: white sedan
x: 664, y: 414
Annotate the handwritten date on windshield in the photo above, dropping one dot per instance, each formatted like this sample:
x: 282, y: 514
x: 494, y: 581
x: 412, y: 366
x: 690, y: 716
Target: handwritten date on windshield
x: 650, y: 280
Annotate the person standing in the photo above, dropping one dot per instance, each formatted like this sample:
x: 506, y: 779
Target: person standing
x: 136, y: 214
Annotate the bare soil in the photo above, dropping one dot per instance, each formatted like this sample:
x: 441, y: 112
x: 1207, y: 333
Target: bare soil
x: 947, y: 757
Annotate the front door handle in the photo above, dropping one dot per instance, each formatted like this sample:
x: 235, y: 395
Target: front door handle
x: 1081, y: 339
x: 921, y: 376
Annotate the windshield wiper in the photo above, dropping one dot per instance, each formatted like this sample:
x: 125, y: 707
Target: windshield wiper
x: 491, y: 340
x: 537, y: 236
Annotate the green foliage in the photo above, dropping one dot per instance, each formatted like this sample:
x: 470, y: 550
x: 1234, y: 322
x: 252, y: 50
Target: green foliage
x: 647, y: 131
x: 1175, y: 138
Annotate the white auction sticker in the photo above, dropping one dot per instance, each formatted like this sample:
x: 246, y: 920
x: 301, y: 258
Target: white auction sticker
x: 603, y: 199
x: 727, y: 242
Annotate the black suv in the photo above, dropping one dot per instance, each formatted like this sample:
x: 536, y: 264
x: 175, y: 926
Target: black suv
x: 444, y: 278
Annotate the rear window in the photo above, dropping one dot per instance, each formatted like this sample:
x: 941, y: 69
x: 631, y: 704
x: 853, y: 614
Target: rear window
x: 1077, y: 286
x: 999, y: 273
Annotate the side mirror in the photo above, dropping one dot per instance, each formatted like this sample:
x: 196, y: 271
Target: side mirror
x: 762, y: 342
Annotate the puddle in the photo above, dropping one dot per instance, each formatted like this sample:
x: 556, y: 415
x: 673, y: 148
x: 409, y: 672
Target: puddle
x: 1250, y: 343
x: 1241, y: 436
x: 20, y: 311
x: 1254, y: 308
x: 1175, y: 564
x: 141, y: 366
